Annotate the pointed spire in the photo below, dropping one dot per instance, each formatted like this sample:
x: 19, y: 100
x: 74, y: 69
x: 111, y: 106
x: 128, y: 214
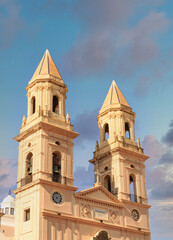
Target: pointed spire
x: 114, y: 97
x: 46, y: 68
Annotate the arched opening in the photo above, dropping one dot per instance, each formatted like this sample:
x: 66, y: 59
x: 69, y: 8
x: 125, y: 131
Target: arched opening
x: 56, y: 167
x: 29, y: 161
x: 133, y: 195
x: 33, y: 105
x: 107, y: 183
x: 55, y: 107
x: 106, y: 131
x: 102, y: 235
x: 127, y: 130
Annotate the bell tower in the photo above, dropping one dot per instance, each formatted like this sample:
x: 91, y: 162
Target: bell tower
x: 119, y: 159
x: 45, y: 163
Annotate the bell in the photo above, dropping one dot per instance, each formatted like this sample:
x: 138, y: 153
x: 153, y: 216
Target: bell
x: 30, y: 171
x: 55, y: 169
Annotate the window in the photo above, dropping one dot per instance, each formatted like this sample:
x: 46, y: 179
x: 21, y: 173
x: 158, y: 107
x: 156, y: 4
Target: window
x: 106, y: 129
x: 33, y: 105
x: 133, y: 194
x: 107, y: 183
x: 11, y: 211
x: 56, y: 167
x: 27, y: 215
x: 127, y: 130
x: 6, y: 210
x: 55, y: 106
x: 29, y: 161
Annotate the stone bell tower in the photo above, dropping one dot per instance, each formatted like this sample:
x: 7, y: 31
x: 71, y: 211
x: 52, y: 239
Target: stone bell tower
x: 45, y: 164
x: 119, y: 159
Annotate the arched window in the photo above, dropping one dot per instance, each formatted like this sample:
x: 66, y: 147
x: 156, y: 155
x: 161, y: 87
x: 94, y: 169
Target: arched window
x: 56, y: 167
x: 133, y: 194
x: 107, y: 183
x: 33, y: 105
x: 127, y: 130
x: 55, y: 106
x: 29, y: 161
x: 102, y: 235
x: 106, y: 131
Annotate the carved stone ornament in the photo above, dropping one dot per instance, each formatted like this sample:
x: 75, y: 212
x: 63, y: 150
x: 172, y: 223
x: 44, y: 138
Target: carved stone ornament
x: 103, y: 235
x: 114, y: 218
x: 135, y: 214
x: 85, y: 211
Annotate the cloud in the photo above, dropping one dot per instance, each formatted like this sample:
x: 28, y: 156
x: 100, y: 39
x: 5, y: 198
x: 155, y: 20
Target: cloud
x: 89, y: 55
x: 3, y: 177
x: 81, y: 181
x: 168, y: 138
x: 107, y: 42
x: 159, y: 169
x: 8, y: 175
x: 167, y: 158
x: 86, y: 124
x: 153, y: 148
x: 140, y: 47
x: 10, y: 21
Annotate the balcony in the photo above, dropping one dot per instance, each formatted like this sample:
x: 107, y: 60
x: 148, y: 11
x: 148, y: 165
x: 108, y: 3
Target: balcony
x: 135, y: 198
x: 26, y: 180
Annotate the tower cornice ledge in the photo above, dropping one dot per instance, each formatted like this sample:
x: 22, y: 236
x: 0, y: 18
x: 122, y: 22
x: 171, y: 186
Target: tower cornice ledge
x: 48, y: 79
x: 137, y: 204
x: 48, y: 127
x: 117, y: 150
x: 46, y: 182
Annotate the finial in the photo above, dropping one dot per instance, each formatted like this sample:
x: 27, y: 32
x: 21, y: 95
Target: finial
x: 138, y: 143
x: 9, y: 192
x: 97, y: 146
x: 68, y: 118
x: 23, y: 121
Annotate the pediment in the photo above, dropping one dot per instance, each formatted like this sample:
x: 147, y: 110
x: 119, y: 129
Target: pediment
x: 99, y: 194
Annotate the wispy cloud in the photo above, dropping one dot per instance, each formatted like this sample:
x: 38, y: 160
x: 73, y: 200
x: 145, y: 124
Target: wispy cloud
x: 168, y: 138
x: 84, y: 177
x: 86, y: 124
x: 8, y: 176
x: 11, y: 23
x: 107, y: 41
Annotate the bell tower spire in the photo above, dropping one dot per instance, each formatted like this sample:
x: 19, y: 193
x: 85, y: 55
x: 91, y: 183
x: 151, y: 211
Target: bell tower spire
x: 116, y: 118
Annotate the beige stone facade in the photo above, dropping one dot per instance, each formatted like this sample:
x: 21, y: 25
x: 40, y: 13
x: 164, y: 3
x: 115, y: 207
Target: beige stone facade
x: 47, y: 204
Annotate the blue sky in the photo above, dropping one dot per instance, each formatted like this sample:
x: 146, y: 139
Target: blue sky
x: 93, y: 43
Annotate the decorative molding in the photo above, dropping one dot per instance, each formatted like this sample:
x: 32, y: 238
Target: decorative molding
x: 113, y: 217
x: 86, y: 211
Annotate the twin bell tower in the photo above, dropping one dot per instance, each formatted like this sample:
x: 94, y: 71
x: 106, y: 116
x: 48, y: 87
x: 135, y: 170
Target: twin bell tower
x: 47, y: 204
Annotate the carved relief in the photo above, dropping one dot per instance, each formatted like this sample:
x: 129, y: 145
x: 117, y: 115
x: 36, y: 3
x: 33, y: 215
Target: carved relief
x: 114, y: 218
x: 86, y: 211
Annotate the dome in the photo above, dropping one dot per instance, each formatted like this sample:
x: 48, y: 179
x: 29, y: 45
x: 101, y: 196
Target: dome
x: 8, y: 199
x: 8, y: 205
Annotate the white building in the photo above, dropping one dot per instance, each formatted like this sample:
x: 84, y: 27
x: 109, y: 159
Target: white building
x: 7, y: 218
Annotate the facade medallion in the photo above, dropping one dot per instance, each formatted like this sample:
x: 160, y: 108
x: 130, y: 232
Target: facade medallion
x: 135, y: 215
x: 57, y: 198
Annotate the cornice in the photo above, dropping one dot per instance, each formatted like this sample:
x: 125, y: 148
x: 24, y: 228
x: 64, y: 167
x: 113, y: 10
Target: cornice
x: 136, y: 204
x: 58, y: 215
x: 48, y: 127
x: 46, y: 182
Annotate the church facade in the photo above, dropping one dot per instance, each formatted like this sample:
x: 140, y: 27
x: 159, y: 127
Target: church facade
x: 48, y: 206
